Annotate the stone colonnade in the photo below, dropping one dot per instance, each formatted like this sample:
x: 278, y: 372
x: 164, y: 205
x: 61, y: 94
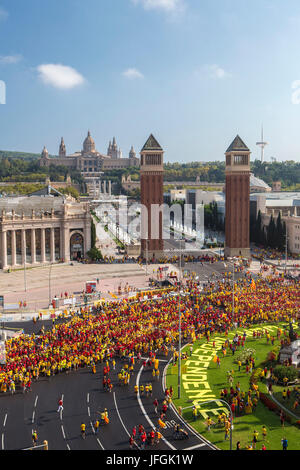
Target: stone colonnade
x: 105, y: 187
x: 37, y: 241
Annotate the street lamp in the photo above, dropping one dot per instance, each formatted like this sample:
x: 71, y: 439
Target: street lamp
x: 25, y: 255
x: 147, y: 243
x: 286, y: 249
x: 50, y: 284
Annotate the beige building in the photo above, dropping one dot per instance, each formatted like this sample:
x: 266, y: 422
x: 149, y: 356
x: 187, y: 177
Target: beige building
x: 292, y: 221
x: 89, y: 161
x: 37, y: 230
x: 288, y: 204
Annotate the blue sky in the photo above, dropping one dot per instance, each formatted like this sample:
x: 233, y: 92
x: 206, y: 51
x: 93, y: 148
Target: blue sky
x: 192, y: 72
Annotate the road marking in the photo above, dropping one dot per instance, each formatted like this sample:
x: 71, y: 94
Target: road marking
x: 89, y: 412
x: 100, y: 444
x: 88, y: 398
x: 144, y: 411
x: 68, y: 447
x: 5, y: 418
x: 120, y: 415
x: 164, y: 382
x: 97, y: 437
x: 33, y: 414
x: 2, y: 441
x: 195, y: 447
x: 36, y: 399
x: 63, y: 431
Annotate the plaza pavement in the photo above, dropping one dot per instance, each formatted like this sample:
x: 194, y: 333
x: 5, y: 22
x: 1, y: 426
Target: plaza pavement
x: 71, y: 279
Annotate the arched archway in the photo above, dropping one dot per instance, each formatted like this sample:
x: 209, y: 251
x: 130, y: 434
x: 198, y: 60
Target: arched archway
x: 76, y: 246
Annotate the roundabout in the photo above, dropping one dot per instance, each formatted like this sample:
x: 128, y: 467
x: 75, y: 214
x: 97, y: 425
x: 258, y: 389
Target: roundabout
x: 213, y: 367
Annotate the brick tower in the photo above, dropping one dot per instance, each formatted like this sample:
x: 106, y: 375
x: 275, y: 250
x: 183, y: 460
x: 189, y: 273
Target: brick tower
x: 151, y: 196
x: 237, y: 222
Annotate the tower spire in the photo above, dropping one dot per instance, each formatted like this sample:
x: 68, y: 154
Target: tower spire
x: 262, y: 144
x: 62, y: 148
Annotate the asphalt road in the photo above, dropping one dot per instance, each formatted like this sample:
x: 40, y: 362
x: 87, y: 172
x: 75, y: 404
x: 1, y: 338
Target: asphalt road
x: 83, y: 400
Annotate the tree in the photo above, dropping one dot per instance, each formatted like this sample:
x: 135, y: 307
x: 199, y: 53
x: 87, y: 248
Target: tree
x: 95, y: 254
x: 280, y: 235
x: 271, y: 233
x: 93, y: 234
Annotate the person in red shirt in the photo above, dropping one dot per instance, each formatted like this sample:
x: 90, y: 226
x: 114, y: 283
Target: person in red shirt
x: 151, y: 437
x: 131, y: 442
x: 143, y: 439
x: 60, y: 405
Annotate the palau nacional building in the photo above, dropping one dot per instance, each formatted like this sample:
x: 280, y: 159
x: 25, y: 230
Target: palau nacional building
x: 88, y: 161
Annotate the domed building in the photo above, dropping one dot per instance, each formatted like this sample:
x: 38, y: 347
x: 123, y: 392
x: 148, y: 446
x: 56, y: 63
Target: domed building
x: 89, y: 161
x: 89, y: 144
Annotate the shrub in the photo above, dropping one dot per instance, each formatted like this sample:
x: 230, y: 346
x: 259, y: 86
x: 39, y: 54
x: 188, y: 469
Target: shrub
x: 244, y: 355
x: 255, y: 376
x: 269, y: 403
x: 95, y: 254
x: 281, y: 371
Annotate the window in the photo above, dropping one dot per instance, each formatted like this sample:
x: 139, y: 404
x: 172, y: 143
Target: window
x: 240, y: 159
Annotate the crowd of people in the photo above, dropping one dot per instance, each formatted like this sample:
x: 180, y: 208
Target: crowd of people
x: 118, y: 329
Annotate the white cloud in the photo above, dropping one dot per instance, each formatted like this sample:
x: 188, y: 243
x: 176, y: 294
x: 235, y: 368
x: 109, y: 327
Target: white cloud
x: 170, y: 6
x: 10, y: 59
x: 60, y: 76
x: 216, y: 72
x: 132, y: 74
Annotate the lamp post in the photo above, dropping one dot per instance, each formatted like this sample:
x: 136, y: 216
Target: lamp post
x: 25, y: 254
x: 50, y: 284
x: 147, y: 243
x: 179, y: 326
x: 286, y: 249
x: 233, y: 287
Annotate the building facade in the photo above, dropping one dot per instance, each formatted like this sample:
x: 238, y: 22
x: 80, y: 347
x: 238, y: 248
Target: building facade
x: 90, y: 162
x: 38, y: 230
x: 288, y: 205
x: 237, y: 190
x: 152, y: 171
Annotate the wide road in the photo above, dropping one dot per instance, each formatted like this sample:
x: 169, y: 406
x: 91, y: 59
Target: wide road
x: 83, y: 400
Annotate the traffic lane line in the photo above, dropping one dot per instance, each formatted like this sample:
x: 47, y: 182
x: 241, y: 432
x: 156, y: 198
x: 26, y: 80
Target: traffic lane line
x: 144, y: 411
x: 169, y: 421
x: 197, y: 446
x: 175, y: 412
x: 97, y: 400
x: 128, y: 406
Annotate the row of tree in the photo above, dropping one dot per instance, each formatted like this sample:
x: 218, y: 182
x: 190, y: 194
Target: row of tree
x: 29, y: 170
x: 272, y: 236
x: 212, y: 217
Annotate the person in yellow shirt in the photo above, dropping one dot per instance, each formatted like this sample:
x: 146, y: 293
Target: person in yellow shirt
x: 255, y: 439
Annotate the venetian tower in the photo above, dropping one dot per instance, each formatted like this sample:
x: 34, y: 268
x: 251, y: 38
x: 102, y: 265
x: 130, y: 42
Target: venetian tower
x: 151, y: 198
x: 237, y: 221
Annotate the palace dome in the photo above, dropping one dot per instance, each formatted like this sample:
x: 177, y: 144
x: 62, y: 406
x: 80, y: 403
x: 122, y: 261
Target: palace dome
x: 89, y: 144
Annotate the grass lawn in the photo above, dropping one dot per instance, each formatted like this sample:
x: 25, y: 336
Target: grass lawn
x: 245, y: 424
